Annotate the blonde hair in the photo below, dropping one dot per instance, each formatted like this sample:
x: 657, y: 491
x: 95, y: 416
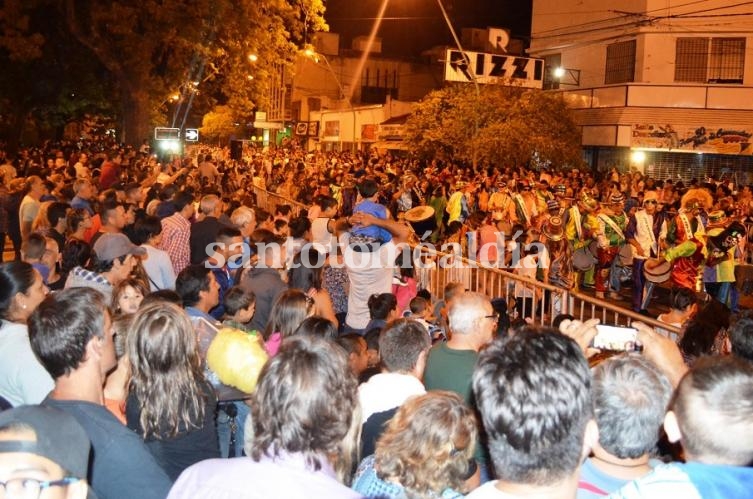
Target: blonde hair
x: 427, y: 444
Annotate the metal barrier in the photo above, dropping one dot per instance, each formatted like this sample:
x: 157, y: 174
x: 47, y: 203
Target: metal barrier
x: 269, y: 201
x: 545, y: 303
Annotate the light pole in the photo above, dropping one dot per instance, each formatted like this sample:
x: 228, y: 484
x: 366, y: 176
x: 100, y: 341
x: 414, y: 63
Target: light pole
x: 315, y: 57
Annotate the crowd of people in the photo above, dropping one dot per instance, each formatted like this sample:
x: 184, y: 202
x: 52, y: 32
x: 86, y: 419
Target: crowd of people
x: 355, y: 382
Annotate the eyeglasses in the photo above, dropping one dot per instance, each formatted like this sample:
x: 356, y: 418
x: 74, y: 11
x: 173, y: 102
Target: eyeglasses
x: 31, y: 488
x: 650, y: 201
x: 494, y: 317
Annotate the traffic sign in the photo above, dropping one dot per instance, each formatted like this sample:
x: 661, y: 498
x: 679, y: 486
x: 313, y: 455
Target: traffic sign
x: 192, y: 135
x: 165, y: 133
x: 497, y: 69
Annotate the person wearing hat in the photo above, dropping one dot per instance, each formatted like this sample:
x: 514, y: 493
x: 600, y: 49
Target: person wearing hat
x: 559, y: 268
x: 112, y: 261
x: 581, y: 229
x: 612, y: 223
x: 500, y: 203
x: 646, y: 229
x: 687, y: 223
x: 44, y: 452
x: 525, y: 204
x: 719, y: 271
x: 687, y: 259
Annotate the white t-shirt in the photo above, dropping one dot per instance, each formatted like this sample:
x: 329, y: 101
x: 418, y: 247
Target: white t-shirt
x: 489, y: 491
x: 322, y: 238
x: 23, y: 380
x: 369, y: 273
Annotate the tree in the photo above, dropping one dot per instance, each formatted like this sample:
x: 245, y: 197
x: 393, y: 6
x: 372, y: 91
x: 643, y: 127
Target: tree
x: 152, y: 49
x: 507, y: 126
x: 219, y: 124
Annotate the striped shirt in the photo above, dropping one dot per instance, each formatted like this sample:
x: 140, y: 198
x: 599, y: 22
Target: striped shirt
x: 176, y: 234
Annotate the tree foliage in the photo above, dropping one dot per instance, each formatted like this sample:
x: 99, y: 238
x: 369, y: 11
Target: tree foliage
x: 502, y: 125
x: 152, y: 49
x: 219, y: 125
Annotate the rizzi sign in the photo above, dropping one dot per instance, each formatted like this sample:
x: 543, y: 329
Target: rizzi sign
x: 493, y: 69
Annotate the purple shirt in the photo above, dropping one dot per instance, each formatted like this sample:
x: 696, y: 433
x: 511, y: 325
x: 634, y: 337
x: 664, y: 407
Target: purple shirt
x: 286, y: 477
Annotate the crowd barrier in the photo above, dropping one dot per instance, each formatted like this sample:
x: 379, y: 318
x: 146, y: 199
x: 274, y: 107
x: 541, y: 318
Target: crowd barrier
x: 497, y: 283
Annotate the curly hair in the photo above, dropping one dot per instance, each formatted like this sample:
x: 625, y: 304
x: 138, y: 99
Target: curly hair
x: 427, y: 444
x: 166, y: 372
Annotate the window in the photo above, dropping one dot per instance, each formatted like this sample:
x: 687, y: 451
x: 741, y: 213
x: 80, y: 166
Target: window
x: 710, y: 60
x: 691, y: 59
x: 620, y: 62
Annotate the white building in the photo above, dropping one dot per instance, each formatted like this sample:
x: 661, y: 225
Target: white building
x: 671, y: 78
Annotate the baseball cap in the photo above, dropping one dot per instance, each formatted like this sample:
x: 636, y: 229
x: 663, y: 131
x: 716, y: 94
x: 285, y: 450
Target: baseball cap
x: 111, y: 246
x: 58, y: 437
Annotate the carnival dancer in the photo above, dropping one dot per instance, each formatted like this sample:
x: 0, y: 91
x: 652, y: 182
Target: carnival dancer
x: 501, y: 204
x: 612, y: 224
x: 644, y: 231
x: 688, y: 222
x: 719, y: 272
x: 581, y: 230
x: 525, y: 204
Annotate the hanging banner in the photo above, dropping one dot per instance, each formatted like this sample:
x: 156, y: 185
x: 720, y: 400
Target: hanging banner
x: 714, y: 140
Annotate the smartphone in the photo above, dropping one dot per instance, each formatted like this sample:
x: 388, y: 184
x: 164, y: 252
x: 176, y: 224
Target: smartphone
x: 616, y: 338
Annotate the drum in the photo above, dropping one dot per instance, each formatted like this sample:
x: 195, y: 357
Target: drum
x: 658, y: 274
x: 422, y: 220
x: 626, y: 255
x: 585, y: 258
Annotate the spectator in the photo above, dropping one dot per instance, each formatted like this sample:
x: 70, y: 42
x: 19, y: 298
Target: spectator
x: 323, y: 226
x: 56, y: 216
x: 712, y: 418
x: 23, y: 380
x: 682, y: 305
x: 204, y: 232
x: 533, y: 391
x: 741, y: 337
x: 111, y: 263
x: 264, y: 279
x: 84, y: 192
x: 176, y: 231
x: 113, y: 216
x: 71, y: 334
x: 319, y: 327
x: 630, y: 397
x: 116, y: 384
x: 425, y: 451
x: 27, y: 212
x: 78, y: 222
x: 157, y: 265
x: 170, y: 404
x: 382, y: 309
x: 43, y: 449
x: 355, y: 346
x: 199, y: 291
x: 290, y: 309
x: 302, y: 440
x: 305, y: 274
x: 369, y: 272
x: 128, y: 295
x: 403, y: 347
x: 240, y: 306
x: 32, y: 251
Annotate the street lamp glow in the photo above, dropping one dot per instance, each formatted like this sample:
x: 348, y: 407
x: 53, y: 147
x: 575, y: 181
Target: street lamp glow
x: 253, y: 57
x: 559, y: 72
x: 638, y: 156
x: 250, y: 77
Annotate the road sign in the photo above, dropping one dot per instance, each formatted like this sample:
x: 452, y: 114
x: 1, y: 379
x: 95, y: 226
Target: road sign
x: 164, y: 133
x: 494, y: 69
x: 192, y: 135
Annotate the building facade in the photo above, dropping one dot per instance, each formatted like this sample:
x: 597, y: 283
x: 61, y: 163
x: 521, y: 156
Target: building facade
x: 661, y: 86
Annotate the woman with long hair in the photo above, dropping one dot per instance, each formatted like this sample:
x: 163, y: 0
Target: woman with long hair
x: 425, y: 451
x: 77, y: 222
x: 169, y: 403
x: 127, y: 296
x: 290, y: 309
x: 305, y: 274
x: 23, y: 380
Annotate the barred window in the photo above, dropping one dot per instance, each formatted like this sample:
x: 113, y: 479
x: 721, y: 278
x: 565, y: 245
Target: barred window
x: 620, y: 62
x: 727, y: 60
x: 691, y: 59
x: 710, y: 60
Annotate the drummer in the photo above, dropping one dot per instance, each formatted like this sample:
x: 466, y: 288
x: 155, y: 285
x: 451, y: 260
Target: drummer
x: 581, y: 230
x: 501, y: 205
x: 644, y: 231
x: 719, y: 272
x: 612, y: 224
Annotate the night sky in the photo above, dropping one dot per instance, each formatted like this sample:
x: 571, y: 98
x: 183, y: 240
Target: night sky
x: 411, y: 26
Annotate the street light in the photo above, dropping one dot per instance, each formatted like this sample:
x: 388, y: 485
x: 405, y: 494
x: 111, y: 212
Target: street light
x: 567, y: 76
x: 314, y: 56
